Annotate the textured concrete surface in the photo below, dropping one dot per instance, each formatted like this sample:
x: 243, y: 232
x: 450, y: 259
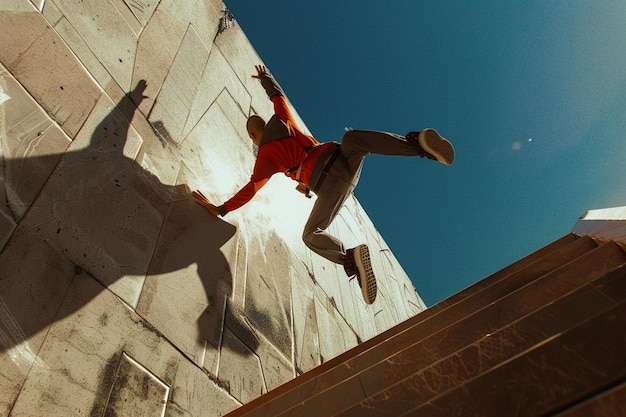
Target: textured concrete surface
x: 117, y: 291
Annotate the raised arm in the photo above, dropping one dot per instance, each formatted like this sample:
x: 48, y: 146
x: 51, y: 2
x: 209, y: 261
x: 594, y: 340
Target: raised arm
x: 268, y: 82
x: 275, y: 94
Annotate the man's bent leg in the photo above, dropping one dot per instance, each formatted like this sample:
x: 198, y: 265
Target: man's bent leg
x: 356, y: 261
x: 340, y: 181
x: 330, y: 198
x: 315, y: 235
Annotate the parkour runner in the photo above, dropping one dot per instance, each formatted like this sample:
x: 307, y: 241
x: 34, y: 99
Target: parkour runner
x: 330, y: 170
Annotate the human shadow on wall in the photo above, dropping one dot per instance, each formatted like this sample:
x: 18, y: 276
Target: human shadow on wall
x: 111, y: 218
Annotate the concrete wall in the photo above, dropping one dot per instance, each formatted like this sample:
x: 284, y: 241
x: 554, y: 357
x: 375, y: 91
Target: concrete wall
x: 119, y: 295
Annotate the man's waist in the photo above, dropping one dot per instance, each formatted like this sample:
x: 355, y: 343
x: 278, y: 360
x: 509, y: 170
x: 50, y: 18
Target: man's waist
x: 323, y: 164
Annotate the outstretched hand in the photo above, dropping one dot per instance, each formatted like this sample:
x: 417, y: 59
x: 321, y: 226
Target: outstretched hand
x: 261, y: 70
x: 204, y: 202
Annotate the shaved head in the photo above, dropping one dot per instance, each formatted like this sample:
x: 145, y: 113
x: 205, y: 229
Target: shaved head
x: 255, y: 123
x: 255, y: 126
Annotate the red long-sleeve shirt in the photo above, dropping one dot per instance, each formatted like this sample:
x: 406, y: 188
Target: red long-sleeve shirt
x: 280, y: 155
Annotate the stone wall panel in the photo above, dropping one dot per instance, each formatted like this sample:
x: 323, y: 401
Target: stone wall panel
x: 31, y: 146
x: 217, y: 82
x: 306, y: 343
x: 189, y: 280
x: 107, y: 34
x: 117, y: 290
x: 33, y: 284
x: 48, y: 69
x: 93, y: 210
x: 136, y: 391
x: 240, y: 368
x: 268, y: 291
x: 179, y: 89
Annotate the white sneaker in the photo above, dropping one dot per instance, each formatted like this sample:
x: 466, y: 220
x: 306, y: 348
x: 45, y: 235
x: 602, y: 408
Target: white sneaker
x: 358, y: 263
x: 432, y: 145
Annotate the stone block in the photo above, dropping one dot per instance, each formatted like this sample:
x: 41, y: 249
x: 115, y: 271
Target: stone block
x: 194, y: 394
x: 94, y: 208
x: 107, y: 34
x: 219, y: 81
x: 242, y: 57
x: 31, y: 143
x: 328, y: 329
x: 34, y: 281
x: 275, y: 367
x: 387, y: 311
x: 268, y: 290
x: 130, y: 10
x: 240, y: 368
x: 51, y: 12
x: 78, y: 45
x: 239, y: 267
x: 83, y: 351
x: 180, y: 87
x: 136, y: 391
x: 142, y: 9
x: 7, y: 224
x: 306, y: 338
x: 68, y: 95
x: 399, y: 287
x: 210, y: 149
x: 189, y: 280
x: 414, y: 302
x: 17, y: 6
x: 161, y: 38
x: 156, y: 48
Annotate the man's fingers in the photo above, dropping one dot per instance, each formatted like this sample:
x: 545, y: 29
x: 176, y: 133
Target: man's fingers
x: 260, y: 69
x: 198, y: 194
x: 200, y: 197
x: 204, y: 202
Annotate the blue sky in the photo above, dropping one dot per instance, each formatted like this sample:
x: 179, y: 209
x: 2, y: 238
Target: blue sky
x: 532, y: 95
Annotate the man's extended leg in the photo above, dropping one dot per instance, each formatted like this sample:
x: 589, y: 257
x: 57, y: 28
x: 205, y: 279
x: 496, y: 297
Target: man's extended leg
x: 426, y: 144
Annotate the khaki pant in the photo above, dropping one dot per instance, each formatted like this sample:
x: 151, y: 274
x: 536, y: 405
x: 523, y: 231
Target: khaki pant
x: 340, y: 182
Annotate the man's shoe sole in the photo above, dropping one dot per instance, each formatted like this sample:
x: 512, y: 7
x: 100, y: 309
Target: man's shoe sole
x: 366, y: 273
x: 436, y: 145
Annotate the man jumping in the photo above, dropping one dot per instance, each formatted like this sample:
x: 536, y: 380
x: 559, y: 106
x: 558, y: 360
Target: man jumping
x: 330, y: 170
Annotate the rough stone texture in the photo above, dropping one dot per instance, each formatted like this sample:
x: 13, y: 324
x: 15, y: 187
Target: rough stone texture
x: 136, y: 391
x: 118, y: 291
